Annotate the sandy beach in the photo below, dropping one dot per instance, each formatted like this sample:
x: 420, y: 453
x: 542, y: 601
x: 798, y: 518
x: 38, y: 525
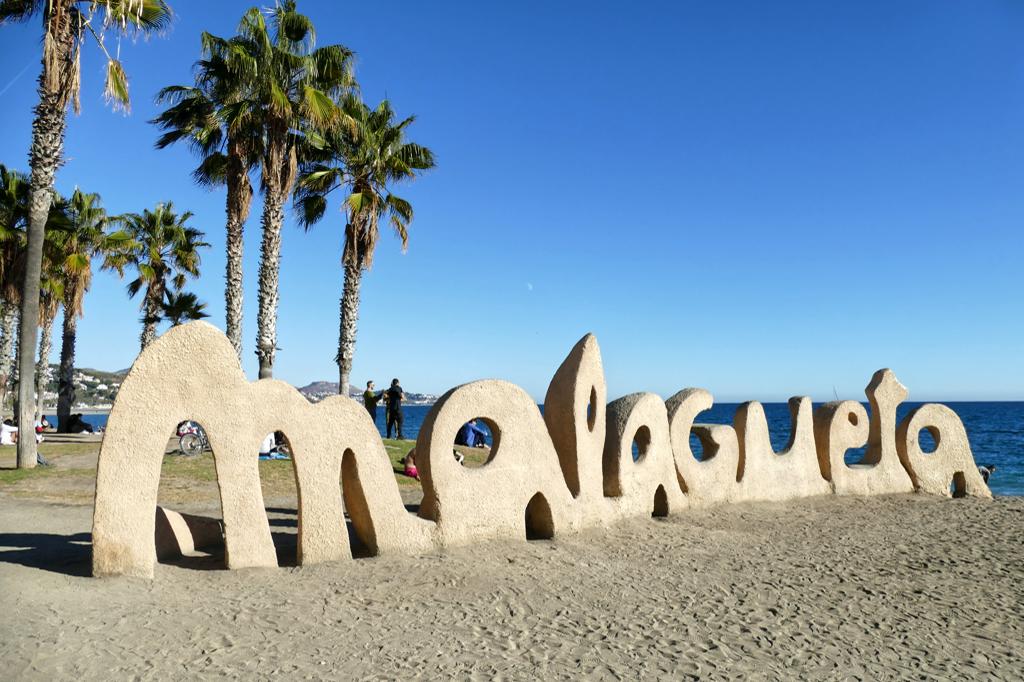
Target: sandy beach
x: 885, y: 588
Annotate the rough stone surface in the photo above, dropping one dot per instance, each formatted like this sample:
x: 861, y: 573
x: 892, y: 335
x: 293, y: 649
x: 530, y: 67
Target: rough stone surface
x: 570, y: 469
x: 880, y: 472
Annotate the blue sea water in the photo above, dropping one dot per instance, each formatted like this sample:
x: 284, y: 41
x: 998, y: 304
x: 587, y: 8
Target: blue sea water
x: 995, y: 430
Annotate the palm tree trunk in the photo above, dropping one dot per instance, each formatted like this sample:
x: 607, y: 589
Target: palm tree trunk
x: 239, y: 199
x: 277, y: 178
x: 43, y: 373
x: 16, y: 364
x: 349, y: 316
x: 66, y: 383
x: 8, y: 314
x: 45, y: 157
x: 151, y: 313
x: 270, y: 266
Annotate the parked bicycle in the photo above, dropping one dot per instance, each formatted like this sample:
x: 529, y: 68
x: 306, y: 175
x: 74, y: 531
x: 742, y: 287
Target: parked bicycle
x: 192, y: 438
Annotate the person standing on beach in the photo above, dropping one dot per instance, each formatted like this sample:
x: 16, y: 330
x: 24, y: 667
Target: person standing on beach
x: 370, y: 401
x: 395, y: 398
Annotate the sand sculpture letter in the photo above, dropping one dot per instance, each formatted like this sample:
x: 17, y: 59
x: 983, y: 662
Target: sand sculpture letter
x: 712, y: 479
x: 570, y: 469
x: 950, y: 463
x: 766, y: 475
x: 192, y: 372
x: 473, y: 505
x: 839, y: 426
x: 648, y: 485
x: 575, y: 417
x: 880, y: 471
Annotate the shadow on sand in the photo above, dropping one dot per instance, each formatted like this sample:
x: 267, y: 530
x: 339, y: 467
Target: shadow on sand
x: 65, y: 554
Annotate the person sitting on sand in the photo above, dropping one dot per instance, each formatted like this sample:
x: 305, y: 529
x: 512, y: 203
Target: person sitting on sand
x: 986, y: 472
x: 78, y: 425
x: 9, y: 436
x: 8, y: 433
x: 410, y: 465
x: 471, y: 435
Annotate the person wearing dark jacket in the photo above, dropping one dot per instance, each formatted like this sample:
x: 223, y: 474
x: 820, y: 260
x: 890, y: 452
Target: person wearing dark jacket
x: 395, y: 397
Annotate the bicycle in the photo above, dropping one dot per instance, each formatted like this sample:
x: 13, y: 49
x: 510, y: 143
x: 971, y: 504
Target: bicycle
x: 193, y: 438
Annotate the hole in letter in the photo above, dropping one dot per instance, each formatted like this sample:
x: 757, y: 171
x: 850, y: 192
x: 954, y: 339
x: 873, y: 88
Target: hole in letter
x: 539, y: 524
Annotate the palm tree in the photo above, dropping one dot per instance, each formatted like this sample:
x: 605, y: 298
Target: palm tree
x: 66, y: 26
x: 289, y: 87
x: 209, y: 120
x: 13, y: 216
x: 369, y: 159
x: 86, y: 239
x: 183, y: 307
x: 14, y: 213
x: 163, y: 250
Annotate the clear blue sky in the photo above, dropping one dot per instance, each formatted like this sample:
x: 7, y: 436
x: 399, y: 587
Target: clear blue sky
x: 759, y: 199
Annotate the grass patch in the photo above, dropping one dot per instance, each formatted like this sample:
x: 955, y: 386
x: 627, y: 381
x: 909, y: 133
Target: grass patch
x: 398, y: 449
x: 48, y: 450
x: 182, y: 478
x: 12, y: 476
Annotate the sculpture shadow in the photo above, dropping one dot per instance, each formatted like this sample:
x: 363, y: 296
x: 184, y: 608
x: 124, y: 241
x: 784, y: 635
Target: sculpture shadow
x: 65, y: 554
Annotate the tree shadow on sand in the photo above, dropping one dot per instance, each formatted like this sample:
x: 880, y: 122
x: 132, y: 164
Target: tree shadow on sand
x: 65, y: 554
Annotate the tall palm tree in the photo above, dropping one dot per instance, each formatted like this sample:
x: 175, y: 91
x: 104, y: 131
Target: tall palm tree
x: 209, y: 120
x: 67, y: 24
x: 163, y: 251
x: 86, y: 239
x: 13, y: 217
x: 14, y: 214
x: 369, y: 159
x: 183, y: 307
x: 290, y: 86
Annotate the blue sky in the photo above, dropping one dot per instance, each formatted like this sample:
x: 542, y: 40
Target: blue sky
x: 759, y: 199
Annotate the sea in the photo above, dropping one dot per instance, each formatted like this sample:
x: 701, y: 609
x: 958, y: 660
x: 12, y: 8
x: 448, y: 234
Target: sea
x: 995, y: 431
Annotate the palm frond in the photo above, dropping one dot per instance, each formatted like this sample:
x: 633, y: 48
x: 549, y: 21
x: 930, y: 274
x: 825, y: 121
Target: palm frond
x: 115, y: 88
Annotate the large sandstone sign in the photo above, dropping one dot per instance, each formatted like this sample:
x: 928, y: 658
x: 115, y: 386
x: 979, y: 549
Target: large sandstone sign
x: 569, y: 469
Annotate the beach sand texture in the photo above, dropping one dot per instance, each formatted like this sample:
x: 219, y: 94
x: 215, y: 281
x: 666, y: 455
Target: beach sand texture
x: 829, y: 588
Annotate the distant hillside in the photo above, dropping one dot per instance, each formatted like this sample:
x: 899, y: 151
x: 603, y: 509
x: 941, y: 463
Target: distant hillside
x: 96, y: 389
x: 93, y: 388
x: 318, y: 390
